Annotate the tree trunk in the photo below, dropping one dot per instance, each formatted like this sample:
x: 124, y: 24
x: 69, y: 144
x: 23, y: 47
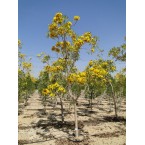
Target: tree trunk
x: 76, y: 120
x: 56, y: 102
x: 62, y: 111
x: 110, y: 104
x: 91, y: 100
x: 45, y: 108
x: 115, y: 106
x: 114, y: 101
x: 75, y: 114
x: 44, y: 103
x: 26, y: 99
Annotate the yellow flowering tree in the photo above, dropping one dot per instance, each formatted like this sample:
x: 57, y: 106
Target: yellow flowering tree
x: 116, y: 88
x: 68, y: 46
x: 51, y: 81
x: 57, y: 90
x: 118, y: 83
x: 43, y: 78
x: 55, y: 87
x: 26, y: 82
x: 97, y: 73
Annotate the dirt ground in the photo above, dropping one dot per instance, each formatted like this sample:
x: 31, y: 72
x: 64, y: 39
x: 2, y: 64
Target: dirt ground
x: 96, y: 127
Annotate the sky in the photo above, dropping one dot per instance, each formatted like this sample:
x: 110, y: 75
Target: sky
x: 105, y: 19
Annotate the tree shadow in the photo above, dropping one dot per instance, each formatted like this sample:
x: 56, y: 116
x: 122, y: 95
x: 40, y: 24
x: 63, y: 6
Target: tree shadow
x: 86, y: 112
x: 49, y: 123
x: 114, y: 119
x: 85, y: 141
x: 96, y: 121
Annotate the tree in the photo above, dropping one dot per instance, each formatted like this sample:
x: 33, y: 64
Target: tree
x: 97, y: 74
x: 119, y: 81
x: 119, y: 53
x: 26, y: 82
x: 68, y: 47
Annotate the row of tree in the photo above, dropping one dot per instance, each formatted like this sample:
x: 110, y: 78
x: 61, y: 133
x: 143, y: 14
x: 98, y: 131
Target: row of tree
x: 26, y: 82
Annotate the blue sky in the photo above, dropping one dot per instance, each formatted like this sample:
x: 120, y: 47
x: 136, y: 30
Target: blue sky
x: 104, y: 18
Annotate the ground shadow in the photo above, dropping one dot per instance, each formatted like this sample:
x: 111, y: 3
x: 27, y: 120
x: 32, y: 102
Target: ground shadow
x: 114, y: 119
x: 57, y: 124
x: 69, y: 142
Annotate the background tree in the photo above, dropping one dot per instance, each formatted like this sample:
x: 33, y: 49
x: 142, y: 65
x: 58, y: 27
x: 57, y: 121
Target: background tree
x: 118, y: 83
x: 26, y: 82
x: 97, y: 73
x: 119, y: 53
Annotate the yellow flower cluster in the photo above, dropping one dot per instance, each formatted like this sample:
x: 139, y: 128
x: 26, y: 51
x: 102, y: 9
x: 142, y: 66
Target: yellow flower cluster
x: 22, y: 55
x: 57, y: 27
x: 61, y: 30
x: 61, y: 89
x: 91, y: 63
x: 92, y: 50
x: 53, y: 90
x: 56, y: 88
x: 53, y: 34
x: 53, y: 86
x: 19, y: 43
x: 68, y: 24
x: 87, y: 37
x: 77, y: 78
x: 26, y: 65
x: 73, y: 36
x: 59, y: 62
x: 78, y: 43
x: 96, y: 70
x: 82, y: 74
x: 104, y: 64
x: 76, y: 18
x: 113, y: 68
x: 60, y: 27
x: 63, y: 45
x: 45, y: 92
x: 53, y: 26
x: 53, y: 68
x: 58, y: 18
x: 54, y: 48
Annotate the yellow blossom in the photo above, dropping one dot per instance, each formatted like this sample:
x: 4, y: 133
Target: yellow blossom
x: 69, y: 23
x: 26, y: 65
x: 45, y: 92
x: 92, y: 50
x: 91, y: 69
x: 91, y: 63
x: 58, y: 15
x: 76, y: 18
x: 53, y: 26
x: 52, y: 95
x: 22, y: 55
x: 113, y: 68
x: 19, y: 43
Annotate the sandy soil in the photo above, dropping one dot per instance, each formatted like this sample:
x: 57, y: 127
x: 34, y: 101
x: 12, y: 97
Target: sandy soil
x: 97, y: 127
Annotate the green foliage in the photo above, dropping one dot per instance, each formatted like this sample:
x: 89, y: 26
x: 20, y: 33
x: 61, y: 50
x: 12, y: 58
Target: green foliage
x: 42, y: 81
x: 119, y: 53
x: 26, y: 82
